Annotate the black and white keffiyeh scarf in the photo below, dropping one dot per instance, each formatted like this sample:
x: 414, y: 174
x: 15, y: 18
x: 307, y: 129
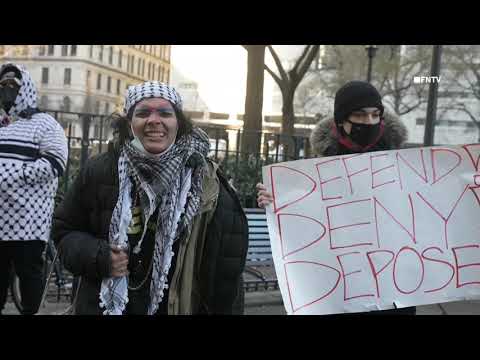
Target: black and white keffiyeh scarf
x: 151, y: 89
x: 159, y: 182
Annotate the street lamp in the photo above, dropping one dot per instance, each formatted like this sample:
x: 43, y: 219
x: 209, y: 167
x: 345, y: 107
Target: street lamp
x: 371, y: 50
x: 429, y: 134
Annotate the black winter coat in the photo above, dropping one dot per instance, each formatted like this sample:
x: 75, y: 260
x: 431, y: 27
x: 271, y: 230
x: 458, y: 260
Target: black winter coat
x: 80, y: 232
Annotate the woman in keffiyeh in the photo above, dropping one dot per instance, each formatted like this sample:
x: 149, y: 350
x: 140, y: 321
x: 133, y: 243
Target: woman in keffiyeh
x: 152, y: 226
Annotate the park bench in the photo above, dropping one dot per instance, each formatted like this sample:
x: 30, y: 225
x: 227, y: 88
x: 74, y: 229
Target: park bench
x: 259, y: 270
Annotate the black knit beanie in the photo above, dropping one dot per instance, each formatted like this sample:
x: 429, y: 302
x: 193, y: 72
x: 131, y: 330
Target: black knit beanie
x: 353, y: 96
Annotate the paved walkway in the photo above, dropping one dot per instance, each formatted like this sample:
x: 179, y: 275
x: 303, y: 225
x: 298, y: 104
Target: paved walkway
x: 270, y: 303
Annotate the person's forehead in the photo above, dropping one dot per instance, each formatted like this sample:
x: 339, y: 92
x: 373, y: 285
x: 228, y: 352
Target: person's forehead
x: 154, y: 102
x: 8, y: 74
x: 370, y: 109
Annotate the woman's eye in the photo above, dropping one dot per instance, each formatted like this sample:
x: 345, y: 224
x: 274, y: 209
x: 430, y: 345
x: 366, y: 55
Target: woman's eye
x: 165, y: 113
x: 143, y: 114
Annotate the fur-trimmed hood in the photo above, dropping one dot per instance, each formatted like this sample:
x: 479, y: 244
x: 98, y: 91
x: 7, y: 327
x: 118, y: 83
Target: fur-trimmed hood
x: 322, y: 137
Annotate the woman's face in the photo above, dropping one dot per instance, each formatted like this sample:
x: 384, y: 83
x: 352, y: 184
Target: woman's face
x: 155, y: 124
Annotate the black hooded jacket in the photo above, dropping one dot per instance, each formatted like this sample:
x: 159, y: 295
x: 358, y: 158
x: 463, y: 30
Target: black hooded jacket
x: 324, y: 142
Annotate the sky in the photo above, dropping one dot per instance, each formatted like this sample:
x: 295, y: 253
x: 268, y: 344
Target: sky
x: 220, y: 72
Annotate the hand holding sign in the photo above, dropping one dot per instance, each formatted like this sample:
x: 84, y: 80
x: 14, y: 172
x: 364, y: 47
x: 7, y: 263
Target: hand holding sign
x: 264, y: 198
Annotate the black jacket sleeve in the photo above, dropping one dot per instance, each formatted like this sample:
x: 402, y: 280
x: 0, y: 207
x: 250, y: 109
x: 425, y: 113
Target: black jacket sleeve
x: 81, y: 252
x: 229, y: 225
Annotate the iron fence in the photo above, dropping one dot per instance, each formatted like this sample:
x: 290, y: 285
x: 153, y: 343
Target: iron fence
x: 89, y: 134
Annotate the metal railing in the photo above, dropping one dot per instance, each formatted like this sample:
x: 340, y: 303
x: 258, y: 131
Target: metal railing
x: 89, y: 134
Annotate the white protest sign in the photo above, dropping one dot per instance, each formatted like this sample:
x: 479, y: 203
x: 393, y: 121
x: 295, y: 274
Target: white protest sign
x: 376, y: 231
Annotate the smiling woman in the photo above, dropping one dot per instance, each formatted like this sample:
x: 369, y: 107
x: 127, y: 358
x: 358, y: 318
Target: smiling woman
x: 149, y: 224
x: 154, y: 125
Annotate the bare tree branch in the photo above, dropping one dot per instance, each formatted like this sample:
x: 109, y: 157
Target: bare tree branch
x: 306, y: 50
x: 407, y: 109
x: 308, y: 60
x: 463, y: 108
x: 280, y: 68
x: 274, y: 76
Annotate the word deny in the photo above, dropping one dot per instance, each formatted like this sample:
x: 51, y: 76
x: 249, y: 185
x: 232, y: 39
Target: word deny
x: 364, y: 230
x: 381, y: 271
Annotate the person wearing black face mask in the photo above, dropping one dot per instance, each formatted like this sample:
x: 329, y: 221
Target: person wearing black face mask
x: 33, y: 155
x: 10, y: 82
x: 359, y: 125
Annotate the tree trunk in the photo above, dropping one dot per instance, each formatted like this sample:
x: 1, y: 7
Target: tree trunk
x: 252, y: 121
x: 288, y: 124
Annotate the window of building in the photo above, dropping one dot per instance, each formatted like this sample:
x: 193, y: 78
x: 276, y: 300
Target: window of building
x: 143, y: 67
x: 132, y: 64
x: 66, y: 103
x: 118, y: 86
x: 109, y: 84
x: 99, y: 81
x: 139, y: 66
x: 51, y: 49
x: 97, y: 107
x: 67, y: 76
x: 64, y: 50
x: 100, y: 54
x: 161, y: 51
x: 160, y: 73
x: 73, y: 50
x: 149, y: 69
x: 96, y: 130
x: 44, y: 75
x: 153, y: 72
x: 107, y: 108
x: 120, y: 55
x: 91, y: 51
x: 89, y: 74
x: 110, y: 56
x: 41, y: 50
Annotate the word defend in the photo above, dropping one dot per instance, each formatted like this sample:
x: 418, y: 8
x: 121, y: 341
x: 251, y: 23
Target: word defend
x: 375, y: 231
x: 426, y: 79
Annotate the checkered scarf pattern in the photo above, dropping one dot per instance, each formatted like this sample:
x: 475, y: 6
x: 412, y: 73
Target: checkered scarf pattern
x: 27, y: 95
x: 158, y: 181
x: 151, y: 89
